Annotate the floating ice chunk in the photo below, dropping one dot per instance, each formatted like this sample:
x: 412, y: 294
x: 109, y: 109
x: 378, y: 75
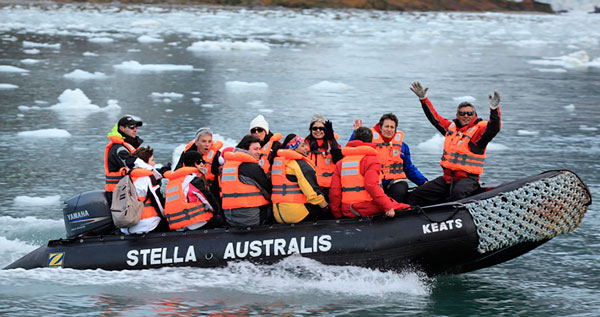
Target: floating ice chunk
x: 32, y: 51
x: 584, y: 127
x: 79, y: 74
x: 493, y: 147
x: 570, y: 107
x: 207, y: 105
x: 89, y: 54
x: 30, y: 61
x: 168, y: 110
x: 12, y: 69
x: 435, y: 144
x: 26, y: 108
x: 244, y: 87
x: 149, y: 39
x: 208, y: 46
x: 464, y: 98
x: 579, y: 59
x: 8, y: 86
x: 148, y: 24
x: 327, y: 86
x: 101, y: 40
x: 45, y: 133
x: 166, y: 100
x: 10, y: 38
x: 38, y: 201
x: 136, y: 67
x: 173, y: 95
x: 196, y: 100
x: 34, y: 44
x: 40, y: 102
x: 133, y: 50
x: 551, y: 70
x: 527, y: 132
x: 265, y: 110
x: 76, y: 103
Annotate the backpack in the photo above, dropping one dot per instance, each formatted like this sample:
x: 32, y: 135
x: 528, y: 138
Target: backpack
x: 126, y: 208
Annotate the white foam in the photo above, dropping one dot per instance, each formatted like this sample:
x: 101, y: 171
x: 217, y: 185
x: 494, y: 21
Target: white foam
x: 576, y: 60
x: 79, y: 74
x: 244, y: 87
x: 527, y: 132
x: 32, y: 51
x: 136, y: 67
x: 149, y: 39
x: 173, y: 95
x: 101, y: 40
x: 8, y: 86
x: 570, y: 107
x: 75, y: 103
x: 207, y: 46
x: 45, y: 133
x: 89, y: 54
x: 12, y: 250
x: 38, y: 201
x: 551, y: 70
x: 30, y: 61
x: 584, y: 127
x: 46, y: 45
x: 328, y: 86
x: 12, y: 69
x: 464, y: 98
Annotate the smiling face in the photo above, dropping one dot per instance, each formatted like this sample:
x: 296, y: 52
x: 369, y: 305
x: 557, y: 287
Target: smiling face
x: 254, y: 150
x: 302, y: 148
x: 204, y: 142
x: 388, y: 128
x: 317, y: 130
x: 465, y: 115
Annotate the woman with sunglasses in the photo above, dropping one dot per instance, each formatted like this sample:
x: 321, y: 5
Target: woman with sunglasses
x: 466, y: 139
x: 323, y: 150
x: 269, y: 142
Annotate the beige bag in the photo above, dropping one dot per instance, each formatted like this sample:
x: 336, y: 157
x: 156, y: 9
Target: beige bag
x: 126, y: 208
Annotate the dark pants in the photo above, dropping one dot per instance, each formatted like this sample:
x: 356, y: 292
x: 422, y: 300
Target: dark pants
x: 438, y: 191
x: 398, y: 191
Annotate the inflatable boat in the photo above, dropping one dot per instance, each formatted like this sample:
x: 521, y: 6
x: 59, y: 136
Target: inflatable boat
x: 491, y: 227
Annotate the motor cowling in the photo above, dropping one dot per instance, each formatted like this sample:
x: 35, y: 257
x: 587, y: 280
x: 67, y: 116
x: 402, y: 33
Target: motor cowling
x: 88, y: 214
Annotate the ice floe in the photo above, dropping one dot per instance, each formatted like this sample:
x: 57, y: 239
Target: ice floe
x: 136, y: 67
x: 244, y: 87
x: 149, y: 39
x: 74, y: 103
x: 584, y: 127
x: 79, y: 74
x: 12, y: 69
x: 32, y: 51
x: 576, y: 60
x: 328, y: 86
x: 29, y: 44
x: 101, y: 40
x: 527, y: 132
x: 8, y: 86
x: 570, y: 107
x: 30, y: 61
x: 172, y: 95
x: 207, y: 46
x: 45, y: 133
x: 89, y: 54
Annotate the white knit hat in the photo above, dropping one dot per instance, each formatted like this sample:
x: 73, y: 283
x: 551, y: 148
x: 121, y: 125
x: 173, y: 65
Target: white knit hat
x: 259, y: 121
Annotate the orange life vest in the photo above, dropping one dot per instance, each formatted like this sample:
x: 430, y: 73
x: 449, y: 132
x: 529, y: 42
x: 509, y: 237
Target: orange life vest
x: 112, y: 178
x: 149, y: 211
x: 353, y: 182
x: 236, y: 194
x: 324, y: 165
x: 179, y: 212
x: 265, y: 151
x: 284, y: 190
x: 389, y: 155
x: 208, y: 157
x: 457, y: 155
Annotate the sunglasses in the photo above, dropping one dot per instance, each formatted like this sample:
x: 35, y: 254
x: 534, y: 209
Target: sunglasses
x: 257, y: 130
x: 318, y: 128
x: 133, y: 126
x: 465, y: 113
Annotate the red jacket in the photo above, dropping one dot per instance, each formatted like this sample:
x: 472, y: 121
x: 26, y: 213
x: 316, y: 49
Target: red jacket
x: 370, y: 168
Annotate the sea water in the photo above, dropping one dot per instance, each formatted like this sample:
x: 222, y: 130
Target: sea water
x: 69, y: 72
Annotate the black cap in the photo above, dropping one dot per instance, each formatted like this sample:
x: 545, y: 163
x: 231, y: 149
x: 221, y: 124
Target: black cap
x: 129, y: 120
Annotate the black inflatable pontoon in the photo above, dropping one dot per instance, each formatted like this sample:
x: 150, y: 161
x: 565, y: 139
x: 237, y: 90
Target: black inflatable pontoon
x: 488, y: 228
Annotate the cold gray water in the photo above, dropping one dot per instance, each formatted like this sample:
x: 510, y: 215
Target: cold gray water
x: 68, y: 73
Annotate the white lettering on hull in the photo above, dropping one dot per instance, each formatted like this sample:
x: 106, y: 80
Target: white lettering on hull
x: 160, y: 256
x: 276, y: 247
x: 442, y: 226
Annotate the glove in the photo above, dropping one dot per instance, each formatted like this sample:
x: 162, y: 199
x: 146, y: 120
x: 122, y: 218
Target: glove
x: 329, y: 131
x: 164, y: 168
x: 494, y: 101
x: 418, y: 90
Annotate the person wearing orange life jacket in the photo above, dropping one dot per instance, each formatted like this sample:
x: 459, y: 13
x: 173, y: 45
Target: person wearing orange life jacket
x: 324, y: 151
x: 296, y: 194
x: 269, y: 142
x: 117, y: 154
x: 465, y: 143
x: 189, y: 204
x: 394, y: 155
x: 356, y: 184
x: 147, y: 186
x: 245, y: 188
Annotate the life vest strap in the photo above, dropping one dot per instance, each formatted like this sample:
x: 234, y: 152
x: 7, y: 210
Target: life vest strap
x: 353, y: 189
x: 186, y: 213
x: 235, y: 195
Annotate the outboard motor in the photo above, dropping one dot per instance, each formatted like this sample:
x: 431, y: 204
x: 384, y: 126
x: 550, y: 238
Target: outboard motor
x: 88, y: 214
